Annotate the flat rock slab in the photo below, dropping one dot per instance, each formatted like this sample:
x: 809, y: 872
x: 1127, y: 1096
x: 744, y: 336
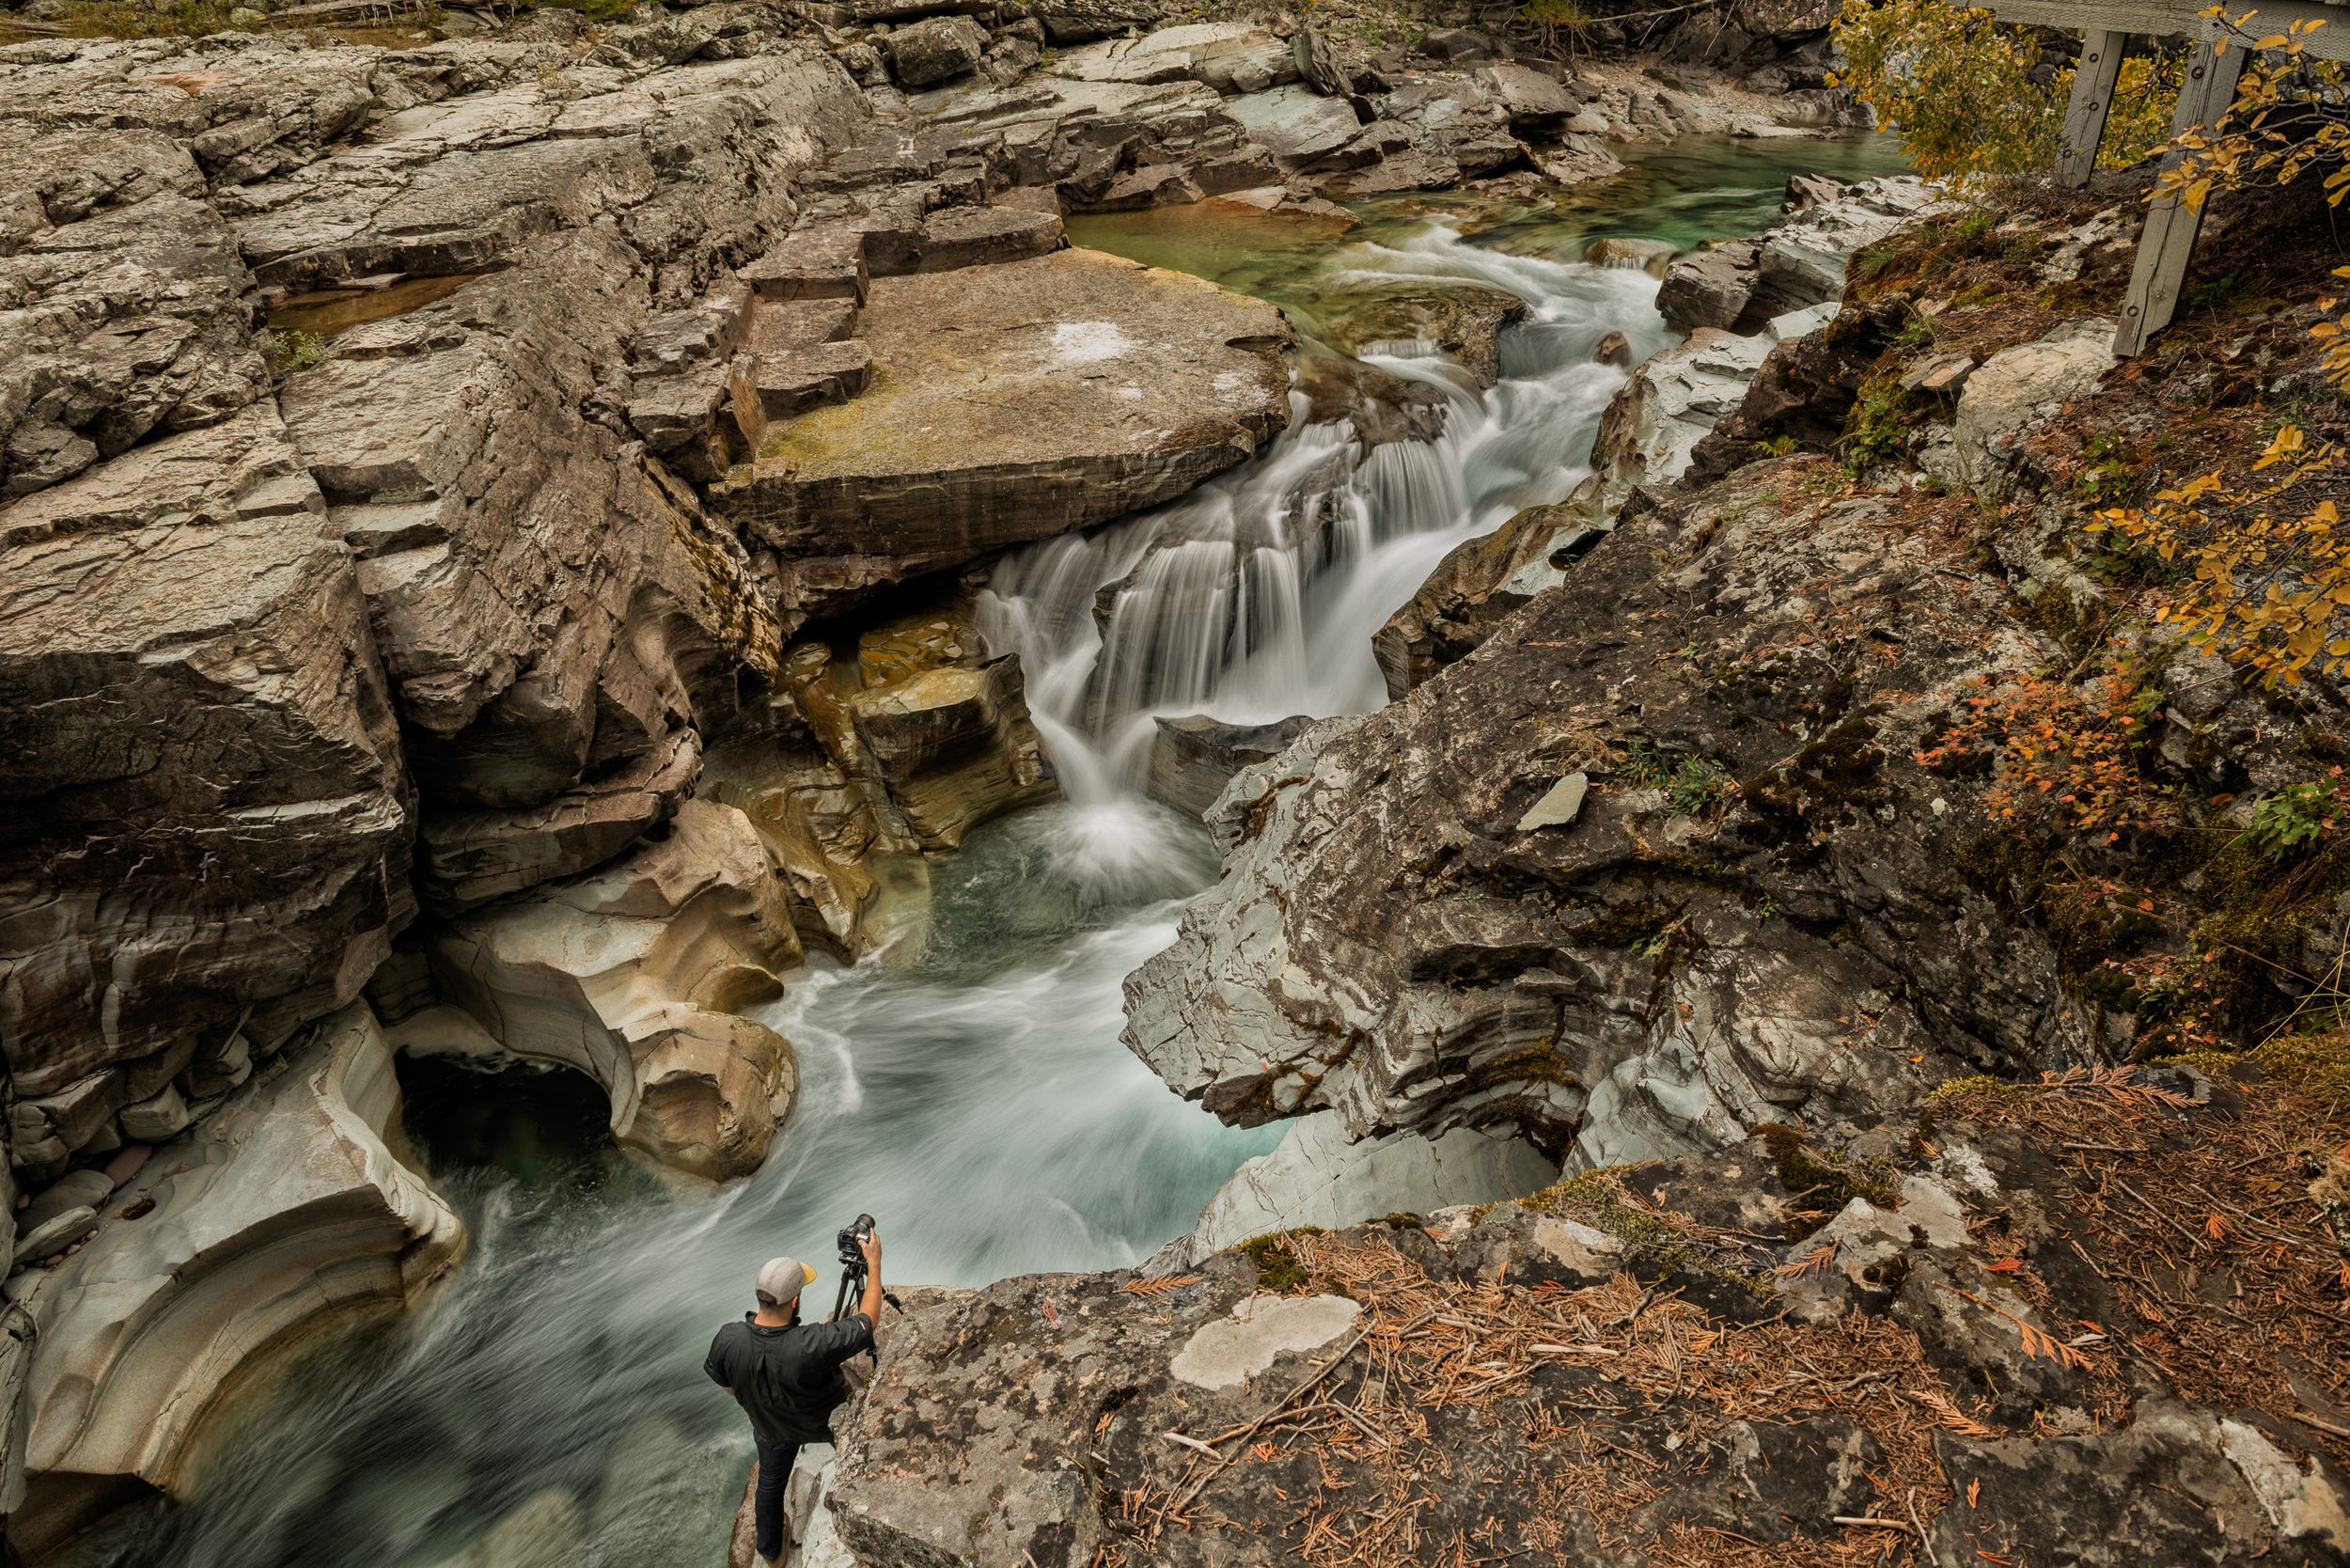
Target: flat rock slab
x: 1010, y: 403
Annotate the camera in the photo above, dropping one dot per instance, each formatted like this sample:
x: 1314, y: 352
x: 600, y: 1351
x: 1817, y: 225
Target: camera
x: 851, y: 1243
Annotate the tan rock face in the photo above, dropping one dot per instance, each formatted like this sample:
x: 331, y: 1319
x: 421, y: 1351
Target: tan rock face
x: 637, y: 975
x: 227, y: 1241
x: 1010, y: 403
x: 956, y: 747
x: 878, y: 760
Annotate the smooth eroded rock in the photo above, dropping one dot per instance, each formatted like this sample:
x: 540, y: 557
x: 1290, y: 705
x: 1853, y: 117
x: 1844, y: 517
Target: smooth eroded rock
x: 285, y: 1206
x: 638, y: 975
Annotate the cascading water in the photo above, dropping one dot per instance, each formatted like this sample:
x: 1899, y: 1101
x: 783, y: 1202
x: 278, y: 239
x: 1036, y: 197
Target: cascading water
x: 973, y: 1095
x: 1255, y: 597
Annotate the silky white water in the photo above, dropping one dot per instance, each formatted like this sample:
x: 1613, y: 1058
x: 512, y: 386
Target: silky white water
x: 973, y: 1094
x: 1255, y: 597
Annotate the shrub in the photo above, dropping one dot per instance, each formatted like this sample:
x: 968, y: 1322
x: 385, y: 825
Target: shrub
x: 2267, y: 586
x: 289, y: 351
x: 2296, y: 816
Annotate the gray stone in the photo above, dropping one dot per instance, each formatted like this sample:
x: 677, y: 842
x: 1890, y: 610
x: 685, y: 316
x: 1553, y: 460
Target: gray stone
x: 156, y: 1117
x: 792, y: 382
x: 1234, y: 1350
x: 1529, y: 97
x: 934, y: 50
x: 779, y: 328
x: 77, y: 1189
x: 1710, y: 288
x: 55, y: 1235
x: 1192, y: 758
x: 1558, y: 807
x: 1651, y: 255
x: 985, y: 236
x: 1076, y: 20
x: 1295, y: 124
x: 1453, y: 43
x: 1317, y: 1177
x: 2012, y: 387
x: 820, y: 264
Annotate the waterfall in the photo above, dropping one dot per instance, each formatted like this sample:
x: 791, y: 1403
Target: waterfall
x: 1255, y: 597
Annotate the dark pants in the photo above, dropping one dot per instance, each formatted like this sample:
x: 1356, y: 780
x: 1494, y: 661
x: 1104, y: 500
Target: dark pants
x: 775, y: 1469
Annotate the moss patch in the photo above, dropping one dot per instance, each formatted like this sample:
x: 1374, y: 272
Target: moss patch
x: 2320, y: 1061
x: 1276, y: 1266
x: 1635, y: 924
x: 1822, y: 1187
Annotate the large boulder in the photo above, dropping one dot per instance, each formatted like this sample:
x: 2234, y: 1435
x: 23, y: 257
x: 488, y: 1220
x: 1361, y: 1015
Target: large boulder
x: 896, y: 752
x: 1020, y: 402
x: 638, y: 975
x: 1622, y: 1364
x: 1741, y: 286
x: 934, y: 50
x: 1076, y: 20
x: 230, y: 1241
x: 1194, y: 756
x: 1465, y: 324
x: 956, y: 747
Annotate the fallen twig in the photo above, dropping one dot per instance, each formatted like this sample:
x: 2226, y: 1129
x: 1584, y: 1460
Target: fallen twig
x: 1923, y: 1545
x: 1873, y: 1523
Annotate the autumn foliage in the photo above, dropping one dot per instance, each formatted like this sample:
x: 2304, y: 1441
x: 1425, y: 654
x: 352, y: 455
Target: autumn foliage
x: 2067, y: 759
x: 1958, y: 86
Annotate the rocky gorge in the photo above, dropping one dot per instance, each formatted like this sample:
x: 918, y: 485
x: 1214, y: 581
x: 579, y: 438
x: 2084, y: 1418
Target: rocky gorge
x: 546, y: 560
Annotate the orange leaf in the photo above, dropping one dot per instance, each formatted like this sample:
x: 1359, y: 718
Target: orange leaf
x: 2005, y: 1265
x: 1974, y: 1490
x: 2216, y: 1228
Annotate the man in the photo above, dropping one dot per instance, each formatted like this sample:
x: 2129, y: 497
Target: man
x: 786, y: 1374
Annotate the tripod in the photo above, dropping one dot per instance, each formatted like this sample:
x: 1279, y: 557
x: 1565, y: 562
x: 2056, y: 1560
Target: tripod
x: 852, y: 1287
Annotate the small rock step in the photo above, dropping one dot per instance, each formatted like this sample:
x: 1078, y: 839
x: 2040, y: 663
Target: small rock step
x: 819, y: 264
x: 800, y: 379
x: 785, y: 326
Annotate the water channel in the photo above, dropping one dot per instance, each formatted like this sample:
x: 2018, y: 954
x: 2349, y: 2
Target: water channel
x: 974, y: 1096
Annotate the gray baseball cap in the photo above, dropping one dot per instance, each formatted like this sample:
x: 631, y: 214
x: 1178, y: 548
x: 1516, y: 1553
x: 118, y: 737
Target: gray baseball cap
x: 781, y: 1279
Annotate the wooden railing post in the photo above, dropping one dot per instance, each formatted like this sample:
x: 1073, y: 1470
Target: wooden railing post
x: 2091, y: 101
x: 2168, y: 241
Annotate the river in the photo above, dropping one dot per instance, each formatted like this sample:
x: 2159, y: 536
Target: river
x: 972, y: 1094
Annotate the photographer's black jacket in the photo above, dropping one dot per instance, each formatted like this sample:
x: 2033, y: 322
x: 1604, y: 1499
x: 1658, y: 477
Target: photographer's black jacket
x: 788, y: 1379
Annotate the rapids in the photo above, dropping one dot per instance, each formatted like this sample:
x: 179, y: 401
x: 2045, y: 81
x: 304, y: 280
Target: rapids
x: 969, y: 1090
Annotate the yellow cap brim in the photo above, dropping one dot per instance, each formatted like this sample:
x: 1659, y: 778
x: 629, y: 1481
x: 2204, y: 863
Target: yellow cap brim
x: 811, y: 1270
